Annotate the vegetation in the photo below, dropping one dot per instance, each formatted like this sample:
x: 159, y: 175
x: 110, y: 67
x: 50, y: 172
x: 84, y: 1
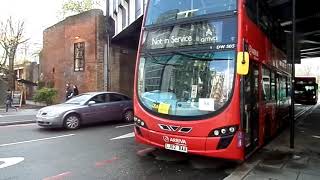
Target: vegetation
x: 45, y: 95
x: 11, y: 36
x: 71, y: 7
x: 48, y: 84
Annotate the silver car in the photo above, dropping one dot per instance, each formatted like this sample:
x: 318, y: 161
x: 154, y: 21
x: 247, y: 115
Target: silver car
x: 87, y: 108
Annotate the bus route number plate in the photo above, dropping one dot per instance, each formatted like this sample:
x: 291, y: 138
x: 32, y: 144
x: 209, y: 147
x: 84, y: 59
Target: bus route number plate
x: 176, y: 147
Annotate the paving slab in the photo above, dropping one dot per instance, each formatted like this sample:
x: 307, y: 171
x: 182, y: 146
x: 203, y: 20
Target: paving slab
x: 303, y: 176
x: 274, y: 159
x: 262, y: 172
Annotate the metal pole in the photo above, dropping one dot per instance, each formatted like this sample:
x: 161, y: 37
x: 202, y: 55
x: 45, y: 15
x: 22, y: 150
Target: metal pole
x: 293, y: 73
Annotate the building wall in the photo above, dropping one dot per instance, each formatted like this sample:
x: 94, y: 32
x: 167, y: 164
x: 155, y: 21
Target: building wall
x: 122, y: 57
x: 57, y: 56
x: 131, y: 9
x: 28, y: 71
x: 122, y: 67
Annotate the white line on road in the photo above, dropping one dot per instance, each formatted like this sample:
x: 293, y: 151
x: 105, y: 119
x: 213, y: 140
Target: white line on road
x: 129, y: 135
x: 16, y: 115
x: 35, y: 140
x: 16, y: 121
x: 10, y: 161
x: 19, y: 125
x: 124, y: 125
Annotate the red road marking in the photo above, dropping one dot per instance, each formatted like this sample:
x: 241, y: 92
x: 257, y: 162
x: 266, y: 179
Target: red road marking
x: 104, y: 162
x: 145, y: 151
x: 59, y: 176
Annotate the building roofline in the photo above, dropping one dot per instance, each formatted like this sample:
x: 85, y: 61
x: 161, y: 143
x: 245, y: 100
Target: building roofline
x: 92, y: 12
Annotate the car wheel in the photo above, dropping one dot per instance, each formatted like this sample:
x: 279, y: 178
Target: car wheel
x: 72, y: 121
x: 128, y: 116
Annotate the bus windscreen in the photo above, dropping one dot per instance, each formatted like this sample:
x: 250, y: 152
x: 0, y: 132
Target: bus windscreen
x: 186, y: 84
x: 161, y: 11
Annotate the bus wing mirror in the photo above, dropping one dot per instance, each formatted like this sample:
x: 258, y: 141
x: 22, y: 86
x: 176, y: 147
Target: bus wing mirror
x: 243, y: 63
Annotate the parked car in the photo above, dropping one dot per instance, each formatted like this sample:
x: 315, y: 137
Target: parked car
x: 87, y: 108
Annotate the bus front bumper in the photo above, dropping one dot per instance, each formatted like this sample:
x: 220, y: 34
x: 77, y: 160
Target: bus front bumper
x: 206, y: 146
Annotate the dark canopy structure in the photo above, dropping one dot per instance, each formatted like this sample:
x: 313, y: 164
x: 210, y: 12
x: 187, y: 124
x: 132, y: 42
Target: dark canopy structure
x: 301, y: 19
x: 307, y: 14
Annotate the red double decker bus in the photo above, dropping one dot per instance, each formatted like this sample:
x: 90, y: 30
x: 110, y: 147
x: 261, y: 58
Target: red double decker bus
x: 211, y: 77
x: 305, y: 90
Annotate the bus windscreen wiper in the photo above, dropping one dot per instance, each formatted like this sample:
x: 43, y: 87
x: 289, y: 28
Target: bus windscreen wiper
x: 155, y: 60
x: 200, y: 58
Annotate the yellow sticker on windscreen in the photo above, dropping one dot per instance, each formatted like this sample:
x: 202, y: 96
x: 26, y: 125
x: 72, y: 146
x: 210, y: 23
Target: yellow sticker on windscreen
x: 164, y: 108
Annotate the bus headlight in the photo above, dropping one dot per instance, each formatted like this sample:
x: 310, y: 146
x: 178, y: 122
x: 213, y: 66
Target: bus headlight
x: 139, y: 122
x: 232, y: 129
x: 223, y: 131
x: 216, y: 132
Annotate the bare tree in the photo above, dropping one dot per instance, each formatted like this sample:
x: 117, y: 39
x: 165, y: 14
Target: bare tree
x: 11, y: 36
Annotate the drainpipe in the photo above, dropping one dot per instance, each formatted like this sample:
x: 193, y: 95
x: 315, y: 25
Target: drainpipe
x: 293, y: 73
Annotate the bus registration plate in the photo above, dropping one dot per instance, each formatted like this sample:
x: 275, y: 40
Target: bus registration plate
x: 176, y: 147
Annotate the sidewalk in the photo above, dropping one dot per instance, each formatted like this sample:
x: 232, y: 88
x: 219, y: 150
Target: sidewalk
x: 277, y: 161
x: 28, y: 106
x: 24, y: 115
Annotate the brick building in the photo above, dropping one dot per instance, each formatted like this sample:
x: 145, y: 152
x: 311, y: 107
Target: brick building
x: 74, y: 52
x: 27, y: 75
x: 94, y: 52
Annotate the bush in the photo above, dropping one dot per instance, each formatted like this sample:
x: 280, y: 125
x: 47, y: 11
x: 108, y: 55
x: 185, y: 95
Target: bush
x: 45, y: 95
x: 48, y: 84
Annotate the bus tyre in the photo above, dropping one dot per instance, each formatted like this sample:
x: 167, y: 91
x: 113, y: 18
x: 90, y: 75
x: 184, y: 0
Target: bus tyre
x: 128, y: 116
x: 72, y: 121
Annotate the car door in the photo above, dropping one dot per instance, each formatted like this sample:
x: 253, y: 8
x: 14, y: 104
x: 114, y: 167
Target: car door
x: 95, y: 111
x: 113, y: 107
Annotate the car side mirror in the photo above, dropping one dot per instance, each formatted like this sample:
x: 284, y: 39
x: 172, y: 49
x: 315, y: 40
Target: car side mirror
x: 91, y: 103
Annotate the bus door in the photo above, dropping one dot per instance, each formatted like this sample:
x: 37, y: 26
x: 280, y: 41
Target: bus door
x: 250, y: 122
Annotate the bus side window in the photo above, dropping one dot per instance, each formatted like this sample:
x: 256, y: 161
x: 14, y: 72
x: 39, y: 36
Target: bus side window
x: 251, y: 7
x: 273, y: 86
x: 288, y: 87
x: 266, y: 84
x: 283, y: 88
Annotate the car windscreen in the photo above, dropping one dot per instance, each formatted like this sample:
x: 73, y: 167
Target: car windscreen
x: 81, y: 99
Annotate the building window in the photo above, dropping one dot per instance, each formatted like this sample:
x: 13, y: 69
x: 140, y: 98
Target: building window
x: 138, y: 8
x: 124, y: 18
x: 79, y: 56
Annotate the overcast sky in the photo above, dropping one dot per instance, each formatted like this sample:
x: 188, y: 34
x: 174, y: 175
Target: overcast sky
x: 37, y: 14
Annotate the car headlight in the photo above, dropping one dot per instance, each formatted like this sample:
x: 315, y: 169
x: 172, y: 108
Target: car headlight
x: 39, y: 113
x: 53, y: 113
